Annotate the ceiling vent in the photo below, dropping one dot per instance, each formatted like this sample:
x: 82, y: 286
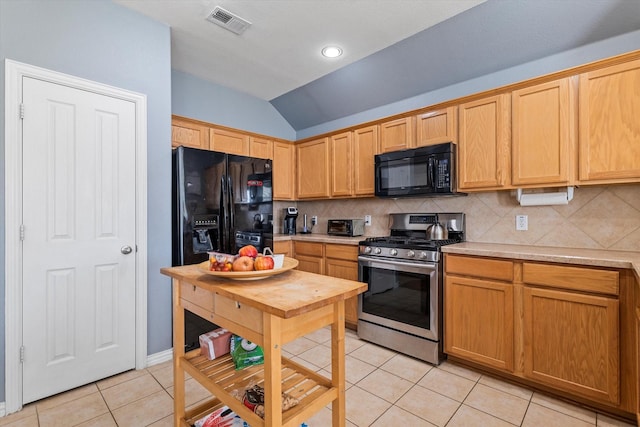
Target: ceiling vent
x: 228, y: 20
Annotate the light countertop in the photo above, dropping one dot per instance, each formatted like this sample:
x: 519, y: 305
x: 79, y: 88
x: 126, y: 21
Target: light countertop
x: 593, y: 257
x: 320, y: 238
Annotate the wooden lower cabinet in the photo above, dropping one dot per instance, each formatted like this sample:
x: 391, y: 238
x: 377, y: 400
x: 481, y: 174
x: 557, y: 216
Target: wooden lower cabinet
x: 571, y: 342
x: 283, y: 247
x: 334, y: 260
x: 310, y: 256
x: 342, y: 261
x: 479, y: 321
x: 567, y: 329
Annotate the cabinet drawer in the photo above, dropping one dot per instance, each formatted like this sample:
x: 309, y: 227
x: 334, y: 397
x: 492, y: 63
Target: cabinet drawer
x: 283, y: 247
x: 345, y: 252
x: 308, y: 248
x: 479, y: 267
x: 197, y: 296
x: 239, y: 313
x: 574, y: 278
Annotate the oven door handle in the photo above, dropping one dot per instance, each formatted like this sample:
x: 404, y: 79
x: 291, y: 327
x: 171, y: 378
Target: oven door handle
x: 396, y: 264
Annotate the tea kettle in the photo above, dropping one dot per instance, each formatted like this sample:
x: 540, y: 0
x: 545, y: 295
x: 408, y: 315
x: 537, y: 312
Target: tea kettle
x: 437, y: 232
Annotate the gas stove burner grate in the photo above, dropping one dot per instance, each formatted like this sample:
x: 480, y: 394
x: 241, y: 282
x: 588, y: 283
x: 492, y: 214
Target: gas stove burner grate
x: 408, y: 242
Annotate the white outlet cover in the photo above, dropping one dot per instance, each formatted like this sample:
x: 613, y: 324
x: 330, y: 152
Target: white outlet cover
x: 522, y: 222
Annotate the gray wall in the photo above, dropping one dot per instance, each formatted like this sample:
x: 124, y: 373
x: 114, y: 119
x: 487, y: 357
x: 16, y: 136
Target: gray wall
x: 101, y: 41
x: 585, y: 54
x: 200, y: 99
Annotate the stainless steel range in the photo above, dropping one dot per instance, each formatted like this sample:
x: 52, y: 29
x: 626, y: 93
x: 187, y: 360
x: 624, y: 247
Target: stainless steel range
x: 402, y: 308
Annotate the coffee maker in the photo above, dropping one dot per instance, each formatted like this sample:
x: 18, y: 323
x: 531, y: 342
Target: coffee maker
x: 289, y: 222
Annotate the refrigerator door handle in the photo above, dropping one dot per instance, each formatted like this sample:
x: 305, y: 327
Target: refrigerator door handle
x: 224, y: 232
x: 232, y: 218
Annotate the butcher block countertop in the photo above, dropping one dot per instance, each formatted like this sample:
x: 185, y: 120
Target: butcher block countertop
x: 284, y: 295
x: 589, y: 257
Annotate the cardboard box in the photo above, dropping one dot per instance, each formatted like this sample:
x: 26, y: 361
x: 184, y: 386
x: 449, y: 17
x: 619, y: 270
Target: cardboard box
x: 215, y: 343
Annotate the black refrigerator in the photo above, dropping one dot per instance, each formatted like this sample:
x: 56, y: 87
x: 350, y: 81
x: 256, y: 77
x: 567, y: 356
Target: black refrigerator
x: 221, y: 202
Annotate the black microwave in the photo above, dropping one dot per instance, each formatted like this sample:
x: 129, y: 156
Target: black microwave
x: 418, y: 172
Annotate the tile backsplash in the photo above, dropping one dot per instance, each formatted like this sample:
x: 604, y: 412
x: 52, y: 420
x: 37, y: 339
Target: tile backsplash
x: 598, y: 217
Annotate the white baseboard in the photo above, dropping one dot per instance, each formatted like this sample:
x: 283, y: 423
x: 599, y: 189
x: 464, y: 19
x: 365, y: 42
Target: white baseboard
x: 152, y: 359
x: 156, y: 358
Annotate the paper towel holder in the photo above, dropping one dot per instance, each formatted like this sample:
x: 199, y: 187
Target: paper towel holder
x: 545, y: 199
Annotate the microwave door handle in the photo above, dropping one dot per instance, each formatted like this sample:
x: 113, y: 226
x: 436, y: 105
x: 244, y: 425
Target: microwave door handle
x: 431, y: 167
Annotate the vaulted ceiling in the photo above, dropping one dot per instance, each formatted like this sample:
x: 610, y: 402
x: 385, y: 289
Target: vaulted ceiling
x: 393, y: 49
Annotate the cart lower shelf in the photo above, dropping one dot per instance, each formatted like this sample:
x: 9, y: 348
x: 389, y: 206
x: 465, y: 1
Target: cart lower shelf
x: 219, y: 376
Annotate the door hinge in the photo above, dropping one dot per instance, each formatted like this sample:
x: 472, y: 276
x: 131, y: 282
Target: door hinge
x: 21, y: 110
x: 21, y: 354
x: 22, y: 232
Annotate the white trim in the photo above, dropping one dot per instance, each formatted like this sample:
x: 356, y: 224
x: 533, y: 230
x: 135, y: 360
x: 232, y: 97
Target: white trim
x: 160, y: 357
x: 14, y: 74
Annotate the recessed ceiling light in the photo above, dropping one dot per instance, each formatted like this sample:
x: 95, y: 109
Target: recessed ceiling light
x: 331, y: 51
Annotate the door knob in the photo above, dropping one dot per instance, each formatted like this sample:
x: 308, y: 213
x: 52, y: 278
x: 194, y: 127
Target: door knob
x: 126, y: 250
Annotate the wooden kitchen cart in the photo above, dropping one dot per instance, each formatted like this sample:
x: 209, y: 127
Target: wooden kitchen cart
x: 269, y: 312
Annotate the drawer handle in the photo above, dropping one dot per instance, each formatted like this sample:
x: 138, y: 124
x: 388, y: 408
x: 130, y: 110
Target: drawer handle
x: 237, y: 304
x: 194, y: 288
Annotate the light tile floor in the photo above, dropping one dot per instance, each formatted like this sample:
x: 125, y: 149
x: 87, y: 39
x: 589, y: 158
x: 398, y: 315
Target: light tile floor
x: 384, y: 389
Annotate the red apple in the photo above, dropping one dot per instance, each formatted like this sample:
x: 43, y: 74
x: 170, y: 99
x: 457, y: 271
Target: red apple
x: 248, y: 250
x: 263, y: 263
x: 243, y: 263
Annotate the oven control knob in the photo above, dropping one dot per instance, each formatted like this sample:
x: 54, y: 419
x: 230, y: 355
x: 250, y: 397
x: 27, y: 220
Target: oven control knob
x: 377, y: 250
x: 367, y: 250
x: 423, y: 255
x: 394, y: 252
x: 411, y: 254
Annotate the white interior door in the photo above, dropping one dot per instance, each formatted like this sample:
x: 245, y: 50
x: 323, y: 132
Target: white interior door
x: 79, y: 282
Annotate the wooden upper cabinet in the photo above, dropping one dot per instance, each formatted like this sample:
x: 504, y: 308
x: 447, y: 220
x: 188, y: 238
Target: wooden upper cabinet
x: 543, y: 134
x: 313, y: 169
x: 397, y: 135
x: 609, y: 124
x: 438, y: 126
x: 365, y: 147
x: 484, y: 143
x: 230, y: 142
x: 341, y: 152
x: 189, y: 134
x: 284, y: 167
x: 260, y: 148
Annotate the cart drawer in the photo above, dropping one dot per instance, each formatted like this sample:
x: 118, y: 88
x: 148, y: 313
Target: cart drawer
x: 198, y: 296
x: 239, y: 313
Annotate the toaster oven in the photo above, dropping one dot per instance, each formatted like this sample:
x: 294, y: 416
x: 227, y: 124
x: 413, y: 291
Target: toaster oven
x: 345, y: 227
